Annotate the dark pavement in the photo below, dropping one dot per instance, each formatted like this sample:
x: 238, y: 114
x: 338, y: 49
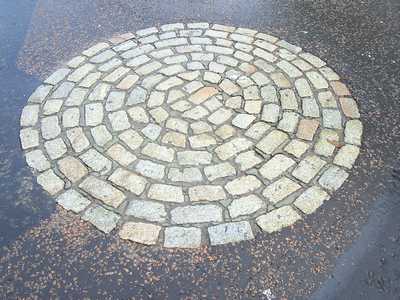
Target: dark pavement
x: 348, y: 249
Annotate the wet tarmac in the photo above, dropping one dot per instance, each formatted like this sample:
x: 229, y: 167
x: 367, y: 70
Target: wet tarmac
x: 348, y: 249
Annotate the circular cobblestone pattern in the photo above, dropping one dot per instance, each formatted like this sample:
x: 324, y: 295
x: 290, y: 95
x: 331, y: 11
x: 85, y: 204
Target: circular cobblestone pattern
x: 194, y: 134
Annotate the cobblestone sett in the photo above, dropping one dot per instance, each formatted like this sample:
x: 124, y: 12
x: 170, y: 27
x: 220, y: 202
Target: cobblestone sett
x: 50, y: 182
x: 280, y: 189
x: 150, y: 211
x: 308, y: 168
x: 36, y: 159
x: 347, y: 156
x: 243, y: 185
x: 245, y: 206
x: 333, y: 178
x: 182, y: 237
x: 128, y: 180
x: 165, y: 192
x: 206, y: 193
x: 278, y: 219
x: 196, y: 214
x: 230, y: 233
x: 103, y: 191
x: 72, y: 200
x: 142, y: 233
x: 101, y: 218
x: 276, y: 166
x: 311, y: 199
x: 72, y: 168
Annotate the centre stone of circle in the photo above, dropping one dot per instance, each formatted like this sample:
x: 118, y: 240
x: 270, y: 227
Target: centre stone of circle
x: 191, y: 134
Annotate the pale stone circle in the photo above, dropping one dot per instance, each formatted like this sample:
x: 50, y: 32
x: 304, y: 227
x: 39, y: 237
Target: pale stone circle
x: 191, y: 134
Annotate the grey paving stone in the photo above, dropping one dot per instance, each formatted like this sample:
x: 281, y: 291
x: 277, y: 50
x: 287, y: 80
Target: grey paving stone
x: 128, y: 180
x: 78, y: 140
x: 137, y: 95
x: 103, y: 191
x: 55, y: 148
x: 72, y: 200
x: 333, y: 178
x: 278, y: 219
x: 52, y: 107
x: 152, y: 131
x: 252, y: 106
x: 96, y: 161
x: 36, y: 159
x: 147, y: 210
x: 72, y: 168
x: 232, y: 148
x: 276, y: 166
x: 311, y: 199
x: 196, y: 214
x: 272, y: 141
x: 115, y: 100
x: 101, y: 135
x: 120, y: 154
x: 166, y: 192
x: 185, y: 175
x: 353, y: 132
x: 194, y: 157
x: 29, y: 115
x: 246, y: 205
x: 158, y: 152
x: 347, y: 156
x: 50, y: 182
x: 100, y: 92
x: 61, y: 91
x: 280, y: 189
x: 70, y: 117
x: 101, y: 218
x: 131, y: 138
x: 349, y: 107
x: 150, y: 169
x: 50, y: 128
x: 230, y: 233
x: 206, y: 193
x: 182, y: 237
x: 308, y: 168
x: 220, y: 170
x: 243, y: 185
x: 57, y: 76
x: 93, y: 114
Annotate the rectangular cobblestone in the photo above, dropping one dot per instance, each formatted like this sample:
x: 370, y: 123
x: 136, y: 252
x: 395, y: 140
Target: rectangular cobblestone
x: 245, y: 206
x: 150, y: 169
x: 166, y: 192
x: 308, y: 168
x: 272, y: 141
x: 194, y: 157
x: 278, y: 219
x: 103, y: 191
x: 128, y: 180
x: 206, y: 193
x: 230, y: 233
x: 196, y: 214
x: 311, y: 199
x: 182, y: 237
x: 50, y: 182
x: 72, y: 200
x: 147, y: 210
x: 101, y: 218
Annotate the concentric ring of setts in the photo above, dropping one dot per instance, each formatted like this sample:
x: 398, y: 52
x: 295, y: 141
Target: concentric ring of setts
x: 191, y: 134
